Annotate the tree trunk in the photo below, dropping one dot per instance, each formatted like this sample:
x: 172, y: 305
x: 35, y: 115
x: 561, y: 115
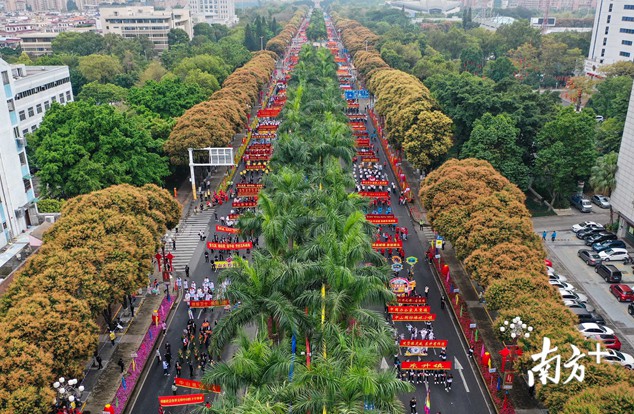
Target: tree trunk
x: 107, y: 315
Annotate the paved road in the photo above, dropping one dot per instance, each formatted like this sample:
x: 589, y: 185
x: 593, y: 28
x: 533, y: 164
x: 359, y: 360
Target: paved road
x: 563, y: 252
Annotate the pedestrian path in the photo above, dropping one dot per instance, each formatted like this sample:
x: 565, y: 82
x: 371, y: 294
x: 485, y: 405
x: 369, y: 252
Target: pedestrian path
x: 187, y: 239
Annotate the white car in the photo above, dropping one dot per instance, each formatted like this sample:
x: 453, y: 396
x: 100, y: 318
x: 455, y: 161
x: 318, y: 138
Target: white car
x: 550, y: 270
x: 569, y: 295
x: 558, y: 278
x: 590, y: 328
x: 562, y: 285
x: 586, y: 225
x: 617, y: 357
x: 579, y: 305
x: 614, y: 254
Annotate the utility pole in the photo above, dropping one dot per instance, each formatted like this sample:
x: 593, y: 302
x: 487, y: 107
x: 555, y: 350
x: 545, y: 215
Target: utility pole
x: 261, y: 42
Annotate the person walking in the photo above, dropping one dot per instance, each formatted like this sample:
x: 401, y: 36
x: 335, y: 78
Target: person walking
x: 113, y: 336
x: 448, y: 382
x: 426, y: 291
x: 174, y: 388
x: 165, y: 369
x: 178, y: 367
x: 159, y: 358
x: 121, y: 364
x: 554, y: 236
x: 168, y: 359
x: 186, y: 270
x: 173, y: 244
x: 544, y: 235
x: 412, y: 406
x: 421, y: 223
x: 99, y: 362
x: 191, y: 369
x: 442, y: 302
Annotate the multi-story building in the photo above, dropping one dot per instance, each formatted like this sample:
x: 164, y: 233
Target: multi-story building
x: 27, y: 93
x: 622, y: 198
x: 612, y: 35
x: 37, y: 44
x: 134, y: 21
x: 215, y: 11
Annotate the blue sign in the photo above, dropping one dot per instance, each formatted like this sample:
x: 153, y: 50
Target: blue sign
x: 364, y: 94
x: 351, y: 95
x: 357, y: 94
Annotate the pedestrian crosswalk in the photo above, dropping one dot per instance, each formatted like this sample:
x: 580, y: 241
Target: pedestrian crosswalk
x: 187, y: 238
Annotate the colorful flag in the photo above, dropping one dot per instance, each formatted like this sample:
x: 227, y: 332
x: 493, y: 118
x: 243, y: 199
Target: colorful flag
x: 427, y: 403
x: 482, y: 351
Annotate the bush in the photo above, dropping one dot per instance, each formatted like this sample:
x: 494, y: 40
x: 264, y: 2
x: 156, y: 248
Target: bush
x: 50, y: 205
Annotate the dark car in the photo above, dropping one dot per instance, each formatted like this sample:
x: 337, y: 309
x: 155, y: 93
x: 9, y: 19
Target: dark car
x: 599, y: 238
x: 610, y: 244
x: 630, y: 308
x: 591, y: 258
x: 585, y: 233
x: 585, y: 316
x: 609, y: 272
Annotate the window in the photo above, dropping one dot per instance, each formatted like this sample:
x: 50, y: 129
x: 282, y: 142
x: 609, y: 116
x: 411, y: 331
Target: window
x: 610, y: 8
x: 625, y: 54
x: 24, y: 132
x: 22, y: 116
x: 27, y: 185
x: 68, y: 97
x: 22, y: 158
x: 61, y: 98
x: 628, y: 31
x: 38, y: 108
x: 602, y: 52
x: 609, y: 18
x: 16, y: 132
x: 46, y: 105
x: 628, y: 18
x: 607, y: 29
x: 53, y: 99
x: 605, y: 41
x: 628, y: 7
x: 5, y: 78
x: 11, y: 105
x: 31, y: 112
x: 33, y: 128
x: 626, y: 42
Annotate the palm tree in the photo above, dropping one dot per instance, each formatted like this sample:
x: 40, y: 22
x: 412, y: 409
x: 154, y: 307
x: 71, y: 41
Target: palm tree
x: 603, y: 178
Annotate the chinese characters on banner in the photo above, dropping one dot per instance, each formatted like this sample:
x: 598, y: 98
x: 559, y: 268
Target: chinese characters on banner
x: 374, y: 182
x: 402, y: 317
x: 387, y: 245
x: 234, y: 216
x: 174, y: 400
x: 187, y: 383
x: 363, y: 142
x: 546, y: 364
x: 208, y: 303
x: 381, y: 218
x: 369, y: 159
x: 411, y: 301
x: 246, y: 185
x: 244, y: 204
x: 425, y: 343
x: 427, y: 365
x: 408, y: 309
x: 230, y: 246
x: 246, y: 192
x: 224, y: 229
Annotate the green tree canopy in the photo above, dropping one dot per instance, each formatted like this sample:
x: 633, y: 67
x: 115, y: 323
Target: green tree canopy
x: 500, y: 68
x: 100, y: 68
x: 82, y: 147
x: 81, y: 44
x: 102, y: 93
x: 493, y: 139
x: 212, y: 65
x: 169, y: 97
x: 177, y: 37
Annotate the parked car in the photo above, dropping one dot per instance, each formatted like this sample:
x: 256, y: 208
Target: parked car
x: 598, y: 247
x: 591, y: 258
x: 630, y: 308
x: 623, y: 293
x: 586, y: 225
x: 582, y: 204
x: 557, y: 278
x: 591, y: 328
x: 548, y: 262
x: 618, y: 357
x: 568, y: 295
x: 550, y: 270
x: 600, y: 238
x: 609, y: 341
x: 587, y: 317
x: 615, y: 254
x: 582, y: 234
x: 609, y: 272
x: 562, y: 285
x: 601, y: 200
x: 577, y: 304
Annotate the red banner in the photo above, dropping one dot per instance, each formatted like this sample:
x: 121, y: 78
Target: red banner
x: 234, y: 216
x: 374, y: 194
x: 208, y: 303
x: 369, y: 159
x: 386, y: 219
x: 187, y: 383
x: 408, y: 309
x: 411, y: 301
x: 267, y: 127
x: 255, y: 167
x: 258, y: 157
x: 368, y: 153
x: 245, y: 204
x: 363, y: 142
x: 387, y: 245
x: 426, y: 365
x: 248, y: 192
x: 229, y: 246
x: 423, y: 343
x: 174, y: 400
x: 258, y: 147
x: 428, y: 317
x: 268, y: 113
x: 374, y: 182
x: 225, y: 229
x: 245, y: 185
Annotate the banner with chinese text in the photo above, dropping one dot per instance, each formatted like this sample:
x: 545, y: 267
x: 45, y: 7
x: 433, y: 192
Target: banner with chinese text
x: 187, y: 383
x: 208, y: 303
x: 174, y: 400
x: 229, y: 246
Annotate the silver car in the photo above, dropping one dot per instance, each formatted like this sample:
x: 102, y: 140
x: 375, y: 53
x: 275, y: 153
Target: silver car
x: 601, y: 200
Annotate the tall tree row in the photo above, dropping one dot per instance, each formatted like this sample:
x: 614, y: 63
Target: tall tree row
x: 279, y: 43
x: 99, y: 252
x: 413, y: 119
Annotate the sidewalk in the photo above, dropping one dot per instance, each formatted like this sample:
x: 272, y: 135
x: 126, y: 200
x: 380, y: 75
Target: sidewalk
x: 101, y: 385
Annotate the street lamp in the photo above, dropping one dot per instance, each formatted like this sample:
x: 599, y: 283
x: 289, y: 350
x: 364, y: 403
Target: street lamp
x: 514, y: 330
x: 67, y: 391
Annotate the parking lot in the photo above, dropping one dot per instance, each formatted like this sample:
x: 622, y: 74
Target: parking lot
x: 563, y: 254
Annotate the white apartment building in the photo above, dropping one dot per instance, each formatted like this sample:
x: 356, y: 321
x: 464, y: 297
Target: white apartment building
x: 612, y: 35
x: 134, y: 21
x: 27, y: 93
x: 214, y: 11
x: 622, y: 198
